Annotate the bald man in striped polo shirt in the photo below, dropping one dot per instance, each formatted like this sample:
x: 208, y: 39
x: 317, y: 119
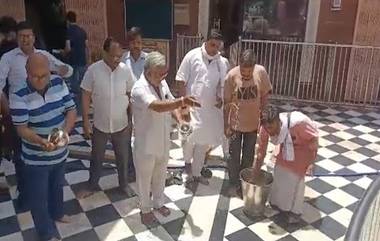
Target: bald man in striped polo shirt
x: 44, y: 103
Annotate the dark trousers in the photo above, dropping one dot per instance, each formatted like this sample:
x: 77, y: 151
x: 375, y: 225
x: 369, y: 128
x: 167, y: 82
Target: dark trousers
x: 120, y: 141
x: 240, y: 142
x: 131, y: 166
x: 44, y: 195
x: 75, y: 82
x: 11, y: 141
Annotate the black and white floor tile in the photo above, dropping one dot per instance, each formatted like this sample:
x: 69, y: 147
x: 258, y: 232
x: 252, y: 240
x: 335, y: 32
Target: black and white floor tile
x: 348, y: 161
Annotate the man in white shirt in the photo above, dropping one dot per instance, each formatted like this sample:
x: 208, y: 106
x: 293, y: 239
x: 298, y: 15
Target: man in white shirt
x: 12, y: 63
x: 152, y: 103
x: 107, y: 83
x: 13, y: 75
x: 134, y: 58
x: 201, y: 74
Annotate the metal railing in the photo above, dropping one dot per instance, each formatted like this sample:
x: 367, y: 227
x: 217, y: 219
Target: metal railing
x: 185, y: 44
x: 328, y: 73
x: 365, y: 223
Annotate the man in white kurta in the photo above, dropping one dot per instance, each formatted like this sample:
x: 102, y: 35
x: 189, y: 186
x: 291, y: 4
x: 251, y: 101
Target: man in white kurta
x: 152, y: 106
x: 201, y: 74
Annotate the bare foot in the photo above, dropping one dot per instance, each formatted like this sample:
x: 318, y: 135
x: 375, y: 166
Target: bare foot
x: 164, y: 211
x: 64, y: 219
x: 85, y: 194
x: 148, y: 219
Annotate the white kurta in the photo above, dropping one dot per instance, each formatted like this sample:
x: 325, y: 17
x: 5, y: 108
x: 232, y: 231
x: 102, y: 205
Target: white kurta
x: 204, y: 80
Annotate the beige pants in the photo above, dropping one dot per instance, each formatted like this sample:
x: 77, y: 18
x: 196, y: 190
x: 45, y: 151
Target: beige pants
x: 288, y: 190
x: 197, y: 153
x: 150, y: 177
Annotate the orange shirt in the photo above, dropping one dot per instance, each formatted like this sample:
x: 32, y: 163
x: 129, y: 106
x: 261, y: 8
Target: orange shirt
x: 305, y: 142
x: 246, y: 98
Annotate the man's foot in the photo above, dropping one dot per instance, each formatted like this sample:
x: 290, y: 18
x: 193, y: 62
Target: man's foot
x: 148, y: 219
x: 205, y: 172
x: 128, y: 191
x: 188, y: 168
x: 85, y: 194
x: 164, y: 211
x: 201, y: 180
x: 64, y: 219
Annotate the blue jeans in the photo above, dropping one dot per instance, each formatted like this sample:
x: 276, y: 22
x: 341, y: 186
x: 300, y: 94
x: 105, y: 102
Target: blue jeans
x: 44, y: 195
x: 75, y: 82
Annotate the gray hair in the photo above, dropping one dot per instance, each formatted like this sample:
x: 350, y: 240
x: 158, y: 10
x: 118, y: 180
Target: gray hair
x: 154, y: 59
x: 269, y: 114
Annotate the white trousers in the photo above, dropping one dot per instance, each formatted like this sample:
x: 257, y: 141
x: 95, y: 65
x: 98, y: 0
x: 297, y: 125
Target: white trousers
x: 197, y: 153
x: 288, y: 190
x: 150, y: 178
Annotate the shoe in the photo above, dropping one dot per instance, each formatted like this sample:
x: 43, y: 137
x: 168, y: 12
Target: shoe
x: 205, y: 172
x: 201, y: 180
x: 54, y: 239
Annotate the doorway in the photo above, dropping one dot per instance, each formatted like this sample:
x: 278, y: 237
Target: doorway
x: 48, y: 20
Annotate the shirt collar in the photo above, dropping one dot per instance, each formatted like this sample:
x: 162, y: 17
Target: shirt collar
x: 142, y: 56
x: 20, y: 52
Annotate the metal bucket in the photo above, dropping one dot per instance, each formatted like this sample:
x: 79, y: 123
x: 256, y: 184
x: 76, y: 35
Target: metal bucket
x: 255, y: 191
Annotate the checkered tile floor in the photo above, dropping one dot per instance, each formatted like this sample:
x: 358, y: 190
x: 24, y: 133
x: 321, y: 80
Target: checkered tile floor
x: 348, y: 161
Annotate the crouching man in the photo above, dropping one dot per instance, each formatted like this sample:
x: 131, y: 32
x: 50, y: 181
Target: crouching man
x: 297, y: 138
x: 152, y: 104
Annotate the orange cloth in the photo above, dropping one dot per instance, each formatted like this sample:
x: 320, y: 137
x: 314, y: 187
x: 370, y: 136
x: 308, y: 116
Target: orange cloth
x: 305, y: 142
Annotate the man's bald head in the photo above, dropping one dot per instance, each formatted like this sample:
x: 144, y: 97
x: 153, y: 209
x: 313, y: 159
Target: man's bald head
x: 37, y: 67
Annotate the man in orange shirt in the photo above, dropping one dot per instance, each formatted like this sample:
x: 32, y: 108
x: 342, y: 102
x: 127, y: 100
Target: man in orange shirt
x: 245, y: 92
x: 297, y: 136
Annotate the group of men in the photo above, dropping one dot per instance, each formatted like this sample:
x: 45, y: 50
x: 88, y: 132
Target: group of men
x: 131, y: 102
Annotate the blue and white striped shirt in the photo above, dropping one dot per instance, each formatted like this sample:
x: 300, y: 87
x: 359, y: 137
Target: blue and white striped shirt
x: 41, y: 114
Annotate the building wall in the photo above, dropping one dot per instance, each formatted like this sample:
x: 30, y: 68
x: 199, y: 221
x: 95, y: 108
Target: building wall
x: 91, y: 15
x: 14, y: 8
x: 115, y: 20
x: 337, y: 26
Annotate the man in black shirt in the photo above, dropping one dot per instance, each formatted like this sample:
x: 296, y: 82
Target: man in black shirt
x: 78, y: 55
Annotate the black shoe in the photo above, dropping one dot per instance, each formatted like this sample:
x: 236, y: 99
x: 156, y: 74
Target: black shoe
x: 206, y: 173
x: 131, y: 178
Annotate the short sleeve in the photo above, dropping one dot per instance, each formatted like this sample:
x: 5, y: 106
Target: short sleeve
x: 183, y: 73
x: 19, y: 110
x: 67, y: 98
x: 4, y: 71
x: 88, y: 81
x: 141, y: 98
x: 266, y: 86
x: 228, y: 89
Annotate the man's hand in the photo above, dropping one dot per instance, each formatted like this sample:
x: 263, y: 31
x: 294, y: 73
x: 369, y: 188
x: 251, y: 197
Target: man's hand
x: 48, y: 146
x: 62, y: 70
x: 219, y: 103
x: 227, y: 131
x: 191, y: 101
x: 87, y: 130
